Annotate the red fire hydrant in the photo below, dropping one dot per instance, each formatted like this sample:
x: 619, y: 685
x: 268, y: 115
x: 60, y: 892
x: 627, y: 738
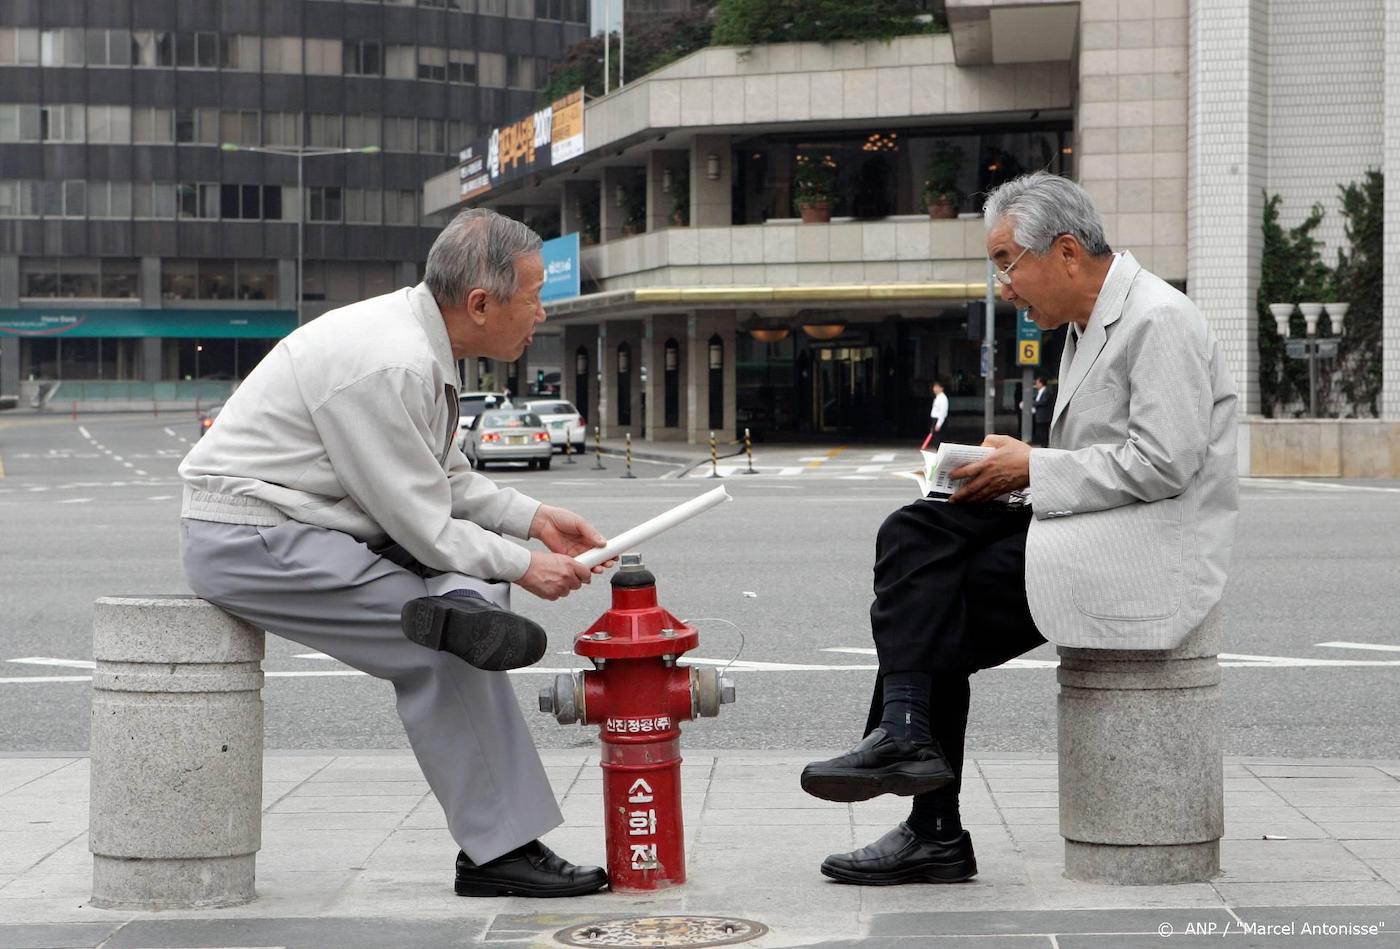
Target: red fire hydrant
x: 639, y: 696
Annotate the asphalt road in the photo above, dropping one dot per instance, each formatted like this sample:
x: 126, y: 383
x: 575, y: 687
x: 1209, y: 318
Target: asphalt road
x: 90, y: 507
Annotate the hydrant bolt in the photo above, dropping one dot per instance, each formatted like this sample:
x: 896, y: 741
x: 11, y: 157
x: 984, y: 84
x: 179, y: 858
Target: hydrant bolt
x: 726, y: 691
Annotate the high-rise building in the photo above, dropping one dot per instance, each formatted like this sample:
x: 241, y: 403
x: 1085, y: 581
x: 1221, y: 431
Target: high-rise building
x: 143, y: 240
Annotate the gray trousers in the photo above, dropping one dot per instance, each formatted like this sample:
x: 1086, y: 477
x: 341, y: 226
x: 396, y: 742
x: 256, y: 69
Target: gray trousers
x: 326, y: 590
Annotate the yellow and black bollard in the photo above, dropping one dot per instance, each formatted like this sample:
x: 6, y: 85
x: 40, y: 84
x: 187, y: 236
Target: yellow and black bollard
x: 569, y: 446
x: 714, y: 459
x: 748, y: 450
x: 598, y: 448
x: 628, y: 473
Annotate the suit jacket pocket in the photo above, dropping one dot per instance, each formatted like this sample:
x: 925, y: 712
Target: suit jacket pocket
x: 1126, y: 562
x: 1083, y: 402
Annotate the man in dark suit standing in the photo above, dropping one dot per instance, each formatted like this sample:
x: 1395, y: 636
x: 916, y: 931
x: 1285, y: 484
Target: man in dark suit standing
x: 1042, y: 407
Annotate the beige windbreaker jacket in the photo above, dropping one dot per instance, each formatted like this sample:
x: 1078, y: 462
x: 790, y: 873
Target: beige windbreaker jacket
x: 350, y: 424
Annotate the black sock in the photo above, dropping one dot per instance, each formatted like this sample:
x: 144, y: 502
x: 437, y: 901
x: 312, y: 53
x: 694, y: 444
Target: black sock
x: 906, y: 705
x: 934, y: 818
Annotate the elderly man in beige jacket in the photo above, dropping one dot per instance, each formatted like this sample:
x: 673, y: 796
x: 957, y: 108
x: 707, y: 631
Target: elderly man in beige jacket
x: 331, y: 505
x: 1124, y: 545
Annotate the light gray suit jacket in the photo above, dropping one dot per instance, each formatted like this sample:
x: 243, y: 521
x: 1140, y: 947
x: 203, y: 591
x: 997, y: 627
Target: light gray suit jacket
x: 1136, y: 498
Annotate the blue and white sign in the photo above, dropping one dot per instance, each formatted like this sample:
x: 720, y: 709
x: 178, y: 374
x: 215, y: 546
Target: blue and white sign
x: 561, y: 268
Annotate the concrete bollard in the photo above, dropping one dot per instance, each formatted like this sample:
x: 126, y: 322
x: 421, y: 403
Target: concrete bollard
x: 1142, y: 797
x: 177, y: 740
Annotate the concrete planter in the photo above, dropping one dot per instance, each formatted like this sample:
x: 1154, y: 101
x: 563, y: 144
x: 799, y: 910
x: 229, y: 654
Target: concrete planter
x: 1319, y: 448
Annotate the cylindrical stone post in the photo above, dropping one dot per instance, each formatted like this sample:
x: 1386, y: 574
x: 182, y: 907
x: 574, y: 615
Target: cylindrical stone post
x: 1141, y: 774
x: 177, y: 736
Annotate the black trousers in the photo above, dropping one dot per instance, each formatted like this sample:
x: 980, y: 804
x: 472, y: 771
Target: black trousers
x: 950, y: 599
x: 1040, y: 433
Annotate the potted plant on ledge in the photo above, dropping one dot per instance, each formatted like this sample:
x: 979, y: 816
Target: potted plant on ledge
x: 814, y: 187
x: 941, y: 187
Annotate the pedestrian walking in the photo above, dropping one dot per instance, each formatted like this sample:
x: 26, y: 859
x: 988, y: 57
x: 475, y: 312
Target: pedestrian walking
x: 938, y: 416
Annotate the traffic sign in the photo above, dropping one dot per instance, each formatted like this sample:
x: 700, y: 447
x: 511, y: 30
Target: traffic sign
x: 1027, y: 340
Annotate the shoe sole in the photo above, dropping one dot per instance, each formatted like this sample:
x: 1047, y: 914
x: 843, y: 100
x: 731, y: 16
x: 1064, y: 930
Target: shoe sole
x: 490, y: 639
x: 849, y: 787
x: 925, y: 873
x: 514, y: 889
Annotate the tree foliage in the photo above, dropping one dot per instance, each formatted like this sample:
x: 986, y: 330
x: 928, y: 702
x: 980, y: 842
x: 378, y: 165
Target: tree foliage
x: 1359, y: 281
x: 651, y: 44
x: 1291, y: 271
x: 749, y: 22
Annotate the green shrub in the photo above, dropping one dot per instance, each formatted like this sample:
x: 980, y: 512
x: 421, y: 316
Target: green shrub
x: 1359, y: 281
x: 1291, y: 270
x: 751, y: 22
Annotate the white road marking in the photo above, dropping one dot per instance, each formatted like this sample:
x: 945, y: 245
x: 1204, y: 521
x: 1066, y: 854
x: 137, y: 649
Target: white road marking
x: 75, y: 501
x: 885, y: 456
x: 47, y: 661
x: 140, y: 472
x: 171, y: 432
x: 35, y: 680
x: 814, y: 459
x: 857, y: 478
x: 1314, y: 485
x: 84, y: 432
x: 129, y: 464
x: 161, y: 497
x: 118, y: 458
x: 790, y: 472
x: 1379, y: 647
x: 867, y: 469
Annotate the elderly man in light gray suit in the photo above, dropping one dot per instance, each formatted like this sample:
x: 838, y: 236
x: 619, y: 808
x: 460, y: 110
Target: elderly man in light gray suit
x: 1124, y: 544
x: 330, y: 504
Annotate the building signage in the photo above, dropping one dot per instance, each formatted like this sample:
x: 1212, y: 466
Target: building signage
x: 1027, y: 340
x: 541, y: 140
x: 561, y: 268
x: 73, y: 322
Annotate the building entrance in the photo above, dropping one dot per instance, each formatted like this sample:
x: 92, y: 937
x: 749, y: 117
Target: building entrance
x: 844, y: 388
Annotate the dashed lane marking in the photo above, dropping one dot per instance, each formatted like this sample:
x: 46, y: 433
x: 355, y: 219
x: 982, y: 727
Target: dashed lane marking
x: 161, y: 497
x: 74, y: 501
x: 83, y: 430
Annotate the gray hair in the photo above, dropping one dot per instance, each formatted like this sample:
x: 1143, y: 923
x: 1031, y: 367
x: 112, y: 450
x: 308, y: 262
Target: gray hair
x: 1041, y: 207
x: 477, y: 250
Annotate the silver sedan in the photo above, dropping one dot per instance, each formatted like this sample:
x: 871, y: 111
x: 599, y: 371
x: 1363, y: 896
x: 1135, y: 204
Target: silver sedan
x: 508, y: 436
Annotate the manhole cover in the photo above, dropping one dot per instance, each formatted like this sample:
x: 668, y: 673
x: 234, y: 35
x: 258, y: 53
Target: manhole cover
x: 692, y: 931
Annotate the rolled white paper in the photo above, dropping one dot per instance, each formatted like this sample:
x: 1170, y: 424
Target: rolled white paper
x: 648, y: 529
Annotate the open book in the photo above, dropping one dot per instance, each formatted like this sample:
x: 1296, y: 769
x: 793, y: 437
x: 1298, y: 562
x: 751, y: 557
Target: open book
x: 949, y: 457
x: 935, y: 480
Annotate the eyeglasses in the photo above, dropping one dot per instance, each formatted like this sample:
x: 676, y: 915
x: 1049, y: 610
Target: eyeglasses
x: 1003, y: 276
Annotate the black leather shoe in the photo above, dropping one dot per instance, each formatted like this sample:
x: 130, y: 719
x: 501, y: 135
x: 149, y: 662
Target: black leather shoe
x: 878, y: 765
x: 482, y: 633
x: 901, y: 857
x: 531, y: 870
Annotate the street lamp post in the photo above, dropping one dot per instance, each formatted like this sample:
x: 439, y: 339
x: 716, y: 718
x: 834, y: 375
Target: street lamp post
x: 300, y: 154
x: 1310, y: 348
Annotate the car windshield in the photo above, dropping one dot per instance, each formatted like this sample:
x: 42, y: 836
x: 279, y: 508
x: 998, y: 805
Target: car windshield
x: 511, y: 420
x: 476, y: 404
x: 552, y: 408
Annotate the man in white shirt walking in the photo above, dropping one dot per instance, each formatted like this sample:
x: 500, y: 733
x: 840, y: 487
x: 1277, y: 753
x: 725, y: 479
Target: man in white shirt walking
x: 938, y: 415
x: 331, y: 505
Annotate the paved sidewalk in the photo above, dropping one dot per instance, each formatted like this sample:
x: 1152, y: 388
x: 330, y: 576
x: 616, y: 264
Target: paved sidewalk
x: 355, y: 854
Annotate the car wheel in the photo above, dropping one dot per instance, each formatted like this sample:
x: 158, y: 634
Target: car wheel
x: 480, y: 465
x: 544, y: 463
x: 531, y: 464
